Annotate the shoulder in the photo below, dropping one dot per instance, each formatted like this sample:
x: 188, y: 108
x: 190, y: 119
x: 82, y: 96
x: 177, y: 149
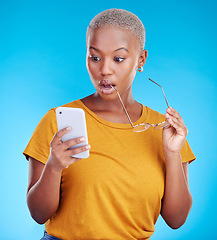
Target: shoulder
x: 73, y: 104
x: 39, y: 144
x: 49, y: 119
x: 153, y: 116
x: 52, y: 112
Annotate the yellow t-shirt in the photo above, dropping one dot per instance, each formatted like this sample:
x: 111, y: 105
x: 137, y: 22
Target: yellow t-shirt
x: 116, y: 192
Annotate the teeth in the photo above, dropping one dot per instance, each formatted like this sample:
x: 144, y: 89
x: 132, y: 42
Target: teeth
x: 107, y: 85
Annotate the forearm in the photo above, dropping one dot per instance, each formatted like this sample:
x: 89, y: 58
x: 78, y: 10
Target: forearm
x: 43, y: 197
x: 177, y: 199
x: 43, y: 194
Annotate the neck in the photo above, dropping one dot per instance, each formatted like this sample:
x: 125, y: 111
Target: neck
x: 112, y: 109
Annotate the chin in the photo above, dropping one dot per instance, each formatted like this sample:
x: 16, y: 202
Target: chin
x: 108, y: 97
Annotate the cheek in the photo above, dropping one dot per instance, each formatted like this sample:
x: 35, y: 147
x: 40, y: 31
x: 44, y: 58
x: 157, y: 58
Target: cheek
x: 93, y: 71
x: 130, y: 69
x: 91, y: 67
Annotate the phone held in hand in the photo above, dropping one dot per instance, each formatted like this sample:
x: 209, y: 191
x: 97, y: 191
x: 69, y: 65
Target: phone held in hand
x: 75, y: 119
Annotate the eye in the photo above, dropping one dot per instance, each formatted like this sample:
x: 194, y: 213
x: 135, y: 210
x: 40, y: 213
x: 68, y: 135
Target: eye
x: 94, y: 58
x: 119, y: 59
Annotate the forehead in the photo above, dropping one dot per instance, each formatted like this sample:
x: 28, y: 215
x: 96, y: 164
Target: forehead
x: 110, y: 37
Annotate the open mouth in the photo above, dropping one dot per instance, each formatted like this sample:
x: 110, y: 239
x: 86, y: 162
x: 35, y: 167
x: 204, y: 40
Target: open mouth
x: 106, y: 87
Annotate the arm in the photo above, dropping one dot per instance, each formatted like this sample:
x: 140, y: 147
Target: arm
x: 43, y: 191
x: 177, y: 200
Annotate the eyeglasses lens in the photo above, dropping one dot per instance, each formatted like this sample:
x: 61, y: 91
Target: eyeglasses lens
x: 141, y: 127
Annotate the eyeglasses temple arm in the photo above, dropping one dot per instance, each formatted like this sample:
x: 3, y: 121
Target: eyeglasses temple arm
x: 162, y: 91
x: 123, y: 107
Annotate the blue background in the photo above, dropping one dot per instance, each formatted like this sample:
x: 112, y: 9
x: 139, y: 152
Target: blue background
x: 42, y: 65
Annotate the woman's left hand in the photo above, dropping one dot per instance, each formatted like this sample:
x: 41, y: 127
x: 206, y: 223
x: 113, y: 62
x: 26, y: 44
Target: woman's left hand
x: 174, y: 135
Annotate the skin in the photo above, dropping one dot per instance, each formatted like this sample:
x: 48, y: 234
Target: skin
x: 113, y: 55
x: 43, y: 193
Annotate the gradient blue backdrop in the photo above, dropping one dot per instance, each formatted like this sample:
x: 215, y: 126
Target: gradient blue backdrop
x: 42, y: 65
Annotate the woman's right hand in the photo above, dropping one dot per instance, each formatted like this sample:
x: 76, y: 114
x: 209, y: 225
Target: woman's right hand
x: 60, y: 154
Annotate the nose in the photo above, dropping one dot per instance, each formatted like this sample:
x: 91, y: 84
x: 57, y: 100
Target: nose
x: 106, y: 67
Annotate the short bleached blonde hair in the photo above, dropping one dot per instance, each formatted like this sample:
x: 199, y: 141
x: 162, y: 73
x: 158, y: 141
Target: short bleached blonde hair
x: 122, y: 19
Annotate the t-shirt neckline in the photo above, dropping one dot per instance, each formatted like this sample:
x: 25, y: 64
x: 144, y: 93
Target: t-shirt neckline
x: 111, y: 124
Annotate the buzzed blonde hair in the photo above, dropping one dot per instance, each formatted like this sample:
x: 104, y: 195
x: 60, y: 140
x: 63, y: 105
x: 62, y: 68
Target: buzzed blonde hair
x: 122, y: 19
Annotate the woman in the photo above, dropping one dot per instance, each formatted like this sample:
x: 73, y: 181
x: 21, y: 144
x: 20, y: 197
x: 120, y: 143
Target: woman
x: 129, y: 178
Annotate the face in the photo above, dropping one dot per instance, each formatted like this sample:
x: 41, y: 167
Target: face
x: 113, y: 57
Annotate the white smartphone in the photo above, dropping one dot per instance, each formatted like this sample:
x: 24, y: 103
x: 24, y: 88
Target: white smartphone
x: 74, y: 118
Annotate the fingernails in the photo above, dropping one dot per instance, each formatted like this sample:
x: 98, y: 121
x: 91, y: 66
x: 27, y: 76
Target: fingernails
x: 82, y: 139
x: 87, y: 147
x: 68, y: 128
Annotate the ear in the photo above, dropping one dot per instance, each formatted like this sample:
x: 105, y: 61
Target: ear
x: 142, y: 58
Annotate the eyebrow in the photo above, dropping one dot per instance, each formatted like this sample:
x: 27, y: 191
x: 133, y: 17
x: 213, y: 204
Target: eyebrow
x: 122, y: 48
x: 94, y: 49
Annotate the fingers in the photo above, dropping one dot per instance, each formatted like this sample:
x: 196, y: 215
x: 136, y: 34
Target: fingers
x: 73, y: 142
x: 72, y: 152
x: 61, y: 152
x: 173, y: 114
x: 70, y: 143
x: 64, y: 148
x: 58, y: 136
x: 174, y: 118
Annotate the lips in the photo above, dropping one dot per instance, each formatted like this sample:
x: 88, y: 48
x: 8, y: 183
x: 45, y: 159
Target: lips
x: 106, y: 86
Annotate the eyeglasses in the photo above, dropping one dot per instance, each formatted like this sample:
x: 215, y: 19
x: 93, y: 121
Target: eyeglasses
x: 144, y: 126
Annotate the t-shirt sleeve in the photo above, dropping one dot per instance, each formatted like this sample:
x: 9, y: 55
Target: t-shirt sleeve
x: 186, y: 153
x: 39, y: 144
